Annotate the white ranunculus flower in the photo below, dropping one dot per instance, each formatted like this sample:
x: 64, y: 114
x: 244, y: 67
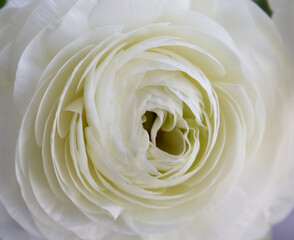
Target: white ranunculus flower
x: 143, y: 119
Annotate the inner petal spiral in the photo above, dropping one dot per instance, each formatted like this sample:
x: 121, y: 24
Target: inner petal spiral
x: 171, y: 141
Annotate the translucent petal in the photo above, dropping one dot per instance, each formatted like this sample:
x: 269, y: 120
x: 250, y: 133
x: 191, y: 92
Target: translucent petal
x: 10, y: 121
x: 9, y: 229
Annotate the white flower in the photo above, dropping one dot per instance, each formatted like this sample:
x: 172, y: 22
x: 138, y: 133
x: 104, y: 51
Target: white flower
x: 136, y: 119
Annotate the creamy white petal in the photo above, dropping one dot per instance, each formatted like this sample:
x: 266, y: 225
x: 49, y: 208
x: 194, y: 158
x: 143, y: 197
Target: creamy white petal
x: 10, y: 120
x: 132, y: 13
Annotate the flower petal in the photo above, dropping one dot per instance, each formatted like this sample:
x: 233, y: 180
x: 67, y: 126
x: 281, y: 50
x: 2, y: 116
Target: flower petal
x: 132, y: 13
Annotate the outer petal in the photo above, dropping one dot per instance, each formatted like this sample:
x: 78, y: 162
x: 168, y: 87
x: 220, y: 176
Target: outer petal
x: 10, y: 230
x: 284, y: 20
x: 10, y: 195
x: 133, y: 13
x: 274, y: 198
x: 26, y: 63
x: 18, y: 3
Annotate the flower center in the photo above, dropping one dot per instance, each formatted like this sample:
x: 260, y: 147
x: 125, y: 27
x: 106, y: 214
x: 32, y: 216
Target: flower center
x: 170, y: 141
x: 148, y: 121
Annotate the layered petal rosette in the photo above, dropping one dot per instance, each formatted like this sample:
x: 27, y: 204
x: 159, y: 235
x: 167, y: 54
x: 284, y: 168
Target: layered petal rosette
x: 144, y: 120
